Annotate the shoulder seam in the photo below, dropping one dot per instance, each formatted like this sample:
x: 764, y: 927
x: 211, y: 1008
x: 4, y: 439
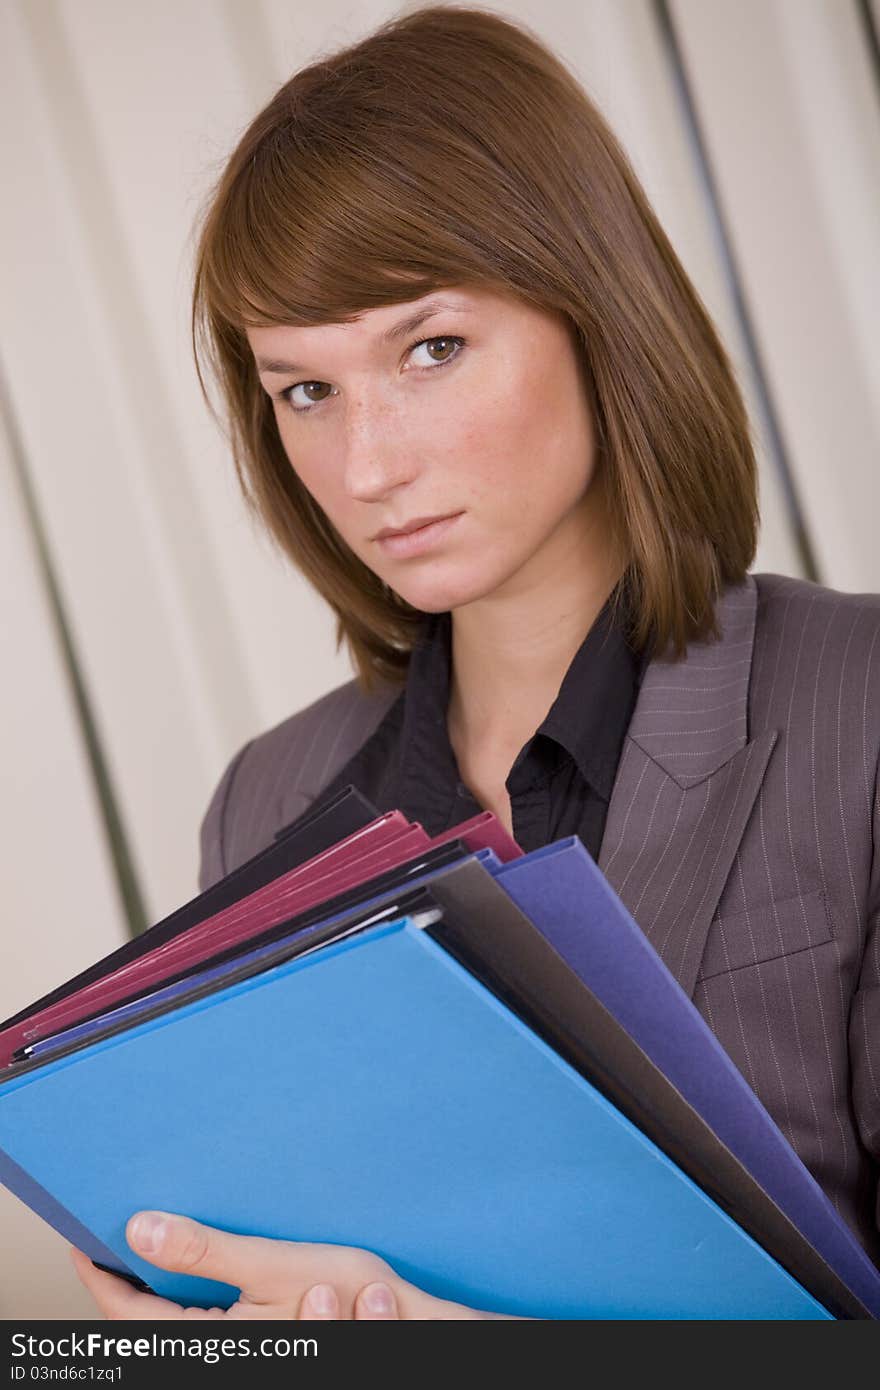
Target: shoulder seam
x: 807, y: 590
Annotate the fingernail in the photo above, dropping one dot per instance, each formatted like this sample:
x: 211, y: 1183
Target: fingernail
x: 322, y: 1299
x: 148, y: 1230
x: 378, y: 1298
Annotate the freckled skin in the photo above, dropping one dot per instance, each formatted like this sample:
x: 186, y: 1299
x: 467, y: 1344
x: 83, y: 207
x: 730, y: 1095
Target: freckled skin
x: 503, y: 431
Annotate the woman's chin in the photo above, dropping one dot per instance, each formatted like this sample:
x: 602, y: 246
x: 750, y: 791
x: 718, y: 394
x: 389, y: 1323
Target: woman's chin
x: 436, y: 595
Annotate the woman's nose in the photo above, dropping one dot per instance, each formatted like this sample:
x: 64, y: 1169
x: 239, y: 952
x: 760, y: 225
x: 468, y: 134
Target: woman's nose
x: 376, y: 462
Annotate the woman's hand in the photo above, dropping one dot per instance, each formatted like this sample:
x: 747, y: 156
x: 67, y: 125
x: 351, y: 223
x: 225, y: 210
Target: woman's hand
x: 278, y: 1278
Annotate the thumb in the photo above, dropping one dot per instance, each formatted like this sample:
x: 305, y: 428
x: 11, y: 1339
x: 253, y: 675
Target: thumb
x: 376, y: 1301
x: 179, y: 1243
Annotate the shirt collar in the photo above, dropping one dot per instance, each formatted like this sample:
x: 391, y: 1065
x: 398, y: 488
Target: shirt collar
x: 593, y: 708
x: 588, y: 718
x: 430, y: 772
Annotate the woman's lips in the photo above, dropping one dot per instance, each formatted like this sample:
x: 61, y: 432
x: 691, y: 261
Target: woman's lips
x: 416, y: 542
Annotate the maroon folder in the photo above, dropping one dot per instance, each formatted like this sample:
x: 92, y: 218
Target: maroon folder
x: 386, y: 843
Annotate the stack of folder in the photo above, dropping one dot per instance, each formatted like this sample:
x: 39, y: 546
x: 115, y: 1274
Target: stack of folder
x: 462, y: 1057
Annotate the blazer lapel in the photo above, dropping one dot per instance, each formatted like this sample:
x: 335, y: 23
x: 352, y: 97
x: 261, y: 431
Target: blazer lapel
x: 685, y: 786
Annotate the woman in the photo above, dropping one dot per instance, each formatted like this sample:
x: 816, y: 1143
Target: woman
x: 439, y: 305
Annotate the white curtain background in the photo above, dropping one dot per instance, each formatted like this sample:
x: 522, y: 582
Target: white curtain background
x: 147, y: 628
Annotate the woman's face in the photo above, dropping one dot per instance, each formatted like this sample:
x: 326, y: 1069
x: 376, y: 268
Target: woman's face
x: 479, y: 415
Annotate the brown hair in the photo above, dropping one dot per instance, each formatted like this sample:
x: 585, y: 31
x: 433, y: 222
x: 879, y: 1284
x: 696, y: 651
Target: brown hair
x: 448, y: 147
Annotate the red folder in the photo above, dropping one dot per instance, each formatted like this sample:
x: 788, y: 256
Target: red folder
x: 386, y: 843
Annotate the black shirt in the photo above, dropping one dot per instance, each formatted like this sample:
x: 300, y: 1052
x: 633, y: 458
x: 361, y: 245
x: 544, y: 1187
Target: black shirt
x: 561, y: 780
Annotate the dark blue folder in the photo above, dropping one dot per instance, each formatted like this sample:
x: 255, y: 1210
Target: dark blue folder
x: 568, y: 898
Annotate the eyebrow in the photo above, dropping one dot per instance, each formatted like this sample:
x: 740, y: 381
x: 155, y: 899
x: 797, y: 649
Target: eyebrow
x: 397, y: 330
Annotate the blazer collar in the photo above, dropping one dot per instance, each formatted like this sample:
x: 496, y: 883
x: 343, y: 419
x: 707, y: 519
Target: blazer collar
x: 692, y: 715
x: 685, y: 786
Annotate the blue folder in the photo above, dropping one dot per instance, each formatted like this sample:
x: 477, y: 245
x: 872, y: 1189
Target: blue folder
x: 374, y: 1093
x: 566, y: 896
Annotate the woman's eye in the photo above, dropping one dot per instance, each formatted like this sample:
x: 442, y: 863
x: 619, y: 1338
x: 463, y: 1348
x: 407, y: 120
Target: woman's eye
x: 445, y: 343
x: 449, y: 348
x: 306, y: 401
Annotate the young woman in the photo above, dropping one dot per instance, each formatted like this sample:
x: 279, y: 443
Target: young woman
x: 475, y: 399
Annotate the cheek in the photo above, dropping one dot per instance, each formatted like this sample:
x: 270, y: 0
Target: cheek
x: 485, y: 448
x: 313, y: 469
x: 526, y: 456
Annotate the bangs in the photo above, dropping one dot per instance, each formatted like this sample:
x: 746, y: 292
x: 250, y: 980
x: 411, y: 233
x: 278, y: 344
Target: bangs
x: 312, y: 231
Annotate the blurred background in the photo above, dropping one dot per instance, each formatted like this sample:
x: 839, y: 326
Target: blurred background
x: 147, y: 628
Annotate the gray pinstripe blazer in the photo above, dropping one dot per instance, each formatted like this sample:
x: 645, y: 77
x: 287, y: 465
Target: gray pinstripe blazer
x: 743, y: 834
